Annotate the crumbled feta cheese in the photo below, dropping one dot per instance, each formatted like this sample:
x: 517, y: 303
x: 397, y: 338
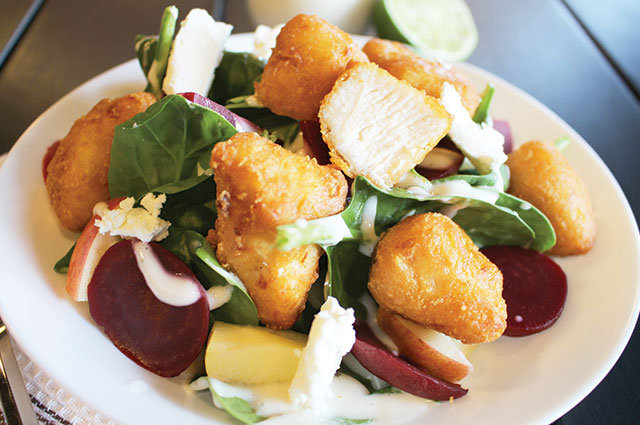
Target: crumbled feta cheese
x: 195, y: 54
x: 330, y: 338
x: 264, y: 39
x: 143, y: 222
x: 480, y: 143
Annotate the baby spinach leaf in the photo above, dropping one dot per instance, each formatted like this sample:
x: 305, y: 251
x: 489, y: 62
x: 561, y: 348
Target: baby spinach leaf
x: 388, y: 390
x: 349, y: 421
x: 282, y: 128
x: 482, y: 111
x: 165, y: 148
x: 153, y: 51
x: 236, y: 407
x: 190, y: 216
x: 348, y: 275
x: 62, y: 266
x: 489, y: 217
x: 235, y: 76
x: 192, y: 248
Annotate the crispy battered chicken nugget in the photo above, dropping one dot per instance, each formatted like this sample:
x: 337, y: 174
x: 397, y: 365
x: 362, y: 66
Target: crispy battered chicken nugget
x: 542, y: 176
x: 77, y: 173
x: 309, y: 56
x: 261, y: 185
x: 423, y: 74
x: 378, y: 126
x: 428, y: 270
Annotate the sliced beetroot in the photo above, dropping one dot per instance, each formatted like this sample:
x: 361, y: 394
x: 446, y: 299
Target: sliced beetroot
x: 241, y: 124
x: 159, y: 337
x: 48, y: 156
x: 377, y: 359
x: 313, y: 139
x: 504, y: 128
x: 534, y: 288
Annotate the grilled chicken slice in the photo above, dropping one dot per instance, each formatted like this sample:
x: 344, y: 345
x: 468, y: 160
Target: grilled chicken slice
x: 379, y: 127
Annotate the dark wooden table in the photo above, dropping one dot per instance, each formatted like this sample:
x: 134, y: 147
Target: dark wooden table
x: 579, y: 57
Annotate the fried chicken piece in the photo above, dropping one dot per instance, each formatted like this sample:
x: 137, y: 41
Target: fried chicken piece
x: 542, y: 176
x: 309, y: 56
x: 77, y: 174
x: 260, y: 186
x: 379, y: 127
x: 428, y: 270
x: 404, y: 64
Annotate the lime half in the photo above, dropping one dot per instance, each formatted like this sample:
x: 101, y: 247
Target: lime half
x: 437, y: 28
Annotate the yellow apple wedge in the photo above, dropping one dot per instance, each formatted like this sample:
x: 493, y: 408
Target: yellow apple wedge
x: 435, y: 352
x: 252, y: 355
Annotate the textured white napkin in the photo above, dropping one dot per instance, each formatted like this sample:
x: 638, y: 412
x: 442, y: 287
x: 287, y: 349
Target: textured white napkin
x: 53, y: 405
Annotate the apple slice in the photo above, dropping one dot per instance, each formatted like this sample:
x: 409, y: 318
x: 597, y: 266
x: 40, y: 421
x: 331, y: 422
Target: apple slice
x: 435, y: 352
x: 90, y: 247
x: 160, y: 337
x: 377, y: 359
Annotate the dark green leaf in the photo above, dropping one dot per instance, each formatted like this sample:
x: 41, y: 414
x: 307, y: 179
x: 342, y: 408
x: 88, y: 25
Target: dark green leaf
x: 163, y: 147
x: 348, y: 275
x: 62, y: 266
x: 235, y: 76
x: 388, y: 390
x: 482, y: 111
x: 190, y: 216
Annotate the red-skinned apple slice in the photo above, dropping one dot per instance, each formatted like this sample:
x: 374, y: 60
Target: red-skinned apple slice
x: 90, y: 247
x: 435, y: 352
x: 377, y: 359
x: 160, y: 337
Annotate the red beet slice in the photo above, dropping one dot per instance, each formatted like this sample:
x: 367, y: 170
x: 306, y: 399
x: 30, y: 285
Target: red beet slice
x: 159, y: 337
x: 534, y: 288
x: 313, y: 139
x: 241, y: 124
x: 377, y: 359
x: 48, y: 156
x: 504, y: 128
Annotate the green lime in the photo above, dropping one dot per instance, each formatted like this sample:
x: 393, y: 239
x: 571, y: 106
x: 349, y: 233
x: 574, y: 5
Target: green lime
x: 438, y: 28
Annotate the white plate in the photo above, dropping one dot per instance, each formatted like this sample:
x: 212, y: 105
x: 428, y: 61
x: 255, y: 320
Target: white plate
x: 516, y: 380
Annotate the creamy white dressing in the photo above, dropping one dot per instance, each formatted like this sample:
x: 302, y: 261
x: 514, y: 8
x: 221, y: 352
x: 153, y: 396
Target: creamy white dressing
x: 217, y: 296
x: 372, y: 312
x: 349, y: 399
x: 525, y: 206
x: 172, y: 289
x: 461, y: 188
x: 368, y: 226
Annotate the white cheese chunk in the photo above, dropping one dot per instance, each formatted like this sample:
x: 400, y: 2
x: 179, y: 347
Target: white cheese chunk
x: 195, y: 54
x: 480, y: 143
x: 330, y: 338
x: 264, y: 39
x: 143, y: 222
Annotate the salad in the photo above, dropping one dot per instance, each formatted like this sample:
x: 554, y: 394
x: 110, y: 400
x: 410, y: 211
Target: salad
x: 385, y: 267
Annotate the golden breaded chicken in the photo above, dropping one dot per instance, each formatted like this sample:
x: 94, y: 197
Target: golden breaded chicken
x: 379, y: 127
x: 261, y: 185
x: 404, y: 64
x: 428, y: 270
x: 542, y: 176
x: 309, y: 56
x: 77, y: 173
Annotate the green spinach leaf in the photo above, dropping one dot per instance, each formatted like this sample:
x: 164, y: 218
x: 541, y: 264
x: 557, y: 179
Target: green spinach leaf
x: 348, y: 275
x: 62, y: 266
x: 482, y: 111
x: 282, y: 128
x: 349, y: 421
x: 237, y: 407
x: 235, y: 76
x: 166, y: 148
